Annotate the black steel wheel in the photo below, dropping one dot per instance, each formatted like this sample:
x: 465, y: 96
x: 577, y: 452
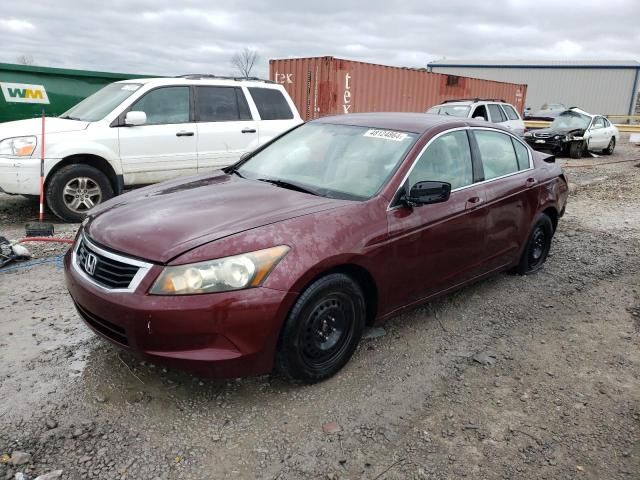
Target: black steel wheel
x: 537, y: 247
x: 322, y: 330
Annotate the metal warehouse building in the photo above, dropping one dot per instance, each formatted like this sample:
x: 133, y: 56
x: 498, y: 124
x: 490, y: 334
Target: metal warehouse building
x: 607, y: 87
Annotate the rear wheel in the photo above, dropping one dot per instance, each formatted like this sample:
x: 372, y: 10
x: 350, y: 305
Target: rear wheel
x: 537, y: 247
x: 610, y: 147
x: 75, y: 189
x: 323, y: 329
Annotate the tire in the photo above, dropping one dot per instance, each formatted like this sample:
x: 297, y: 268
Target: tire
x: 537, y: 247
x: 577, y: 149
x: 322, y: 330
x: 610, y: 147
x: 75, y: 189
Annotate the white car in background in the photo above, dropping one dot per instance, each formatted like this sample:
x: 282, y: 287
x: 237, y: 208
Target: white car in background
x: 495, y: 111
x: 138, y: 132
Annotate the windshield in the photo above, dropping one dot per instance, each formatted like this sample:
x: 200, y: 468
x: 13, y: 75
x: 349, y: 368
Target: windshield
x: 337, y: 161
x: 573, y: 120
x: 101, y: 103
x: 453, y: 110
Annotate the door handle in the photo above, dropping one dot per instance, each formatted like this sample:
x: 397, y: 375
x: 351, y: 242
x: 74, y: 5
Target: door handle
x: 473, y: 202
x: 183, y: 133
x: 530, y: 182
x: 248, y: 130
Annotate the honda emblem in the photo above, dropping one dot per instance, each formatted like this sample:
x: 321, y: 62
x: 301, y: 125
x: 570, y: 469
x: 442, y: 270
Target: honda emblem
x: 90, y: 263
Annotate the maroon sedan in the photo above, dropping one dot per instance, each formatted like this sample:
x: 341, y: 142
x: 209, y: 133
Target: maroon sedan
x: 280, y: 261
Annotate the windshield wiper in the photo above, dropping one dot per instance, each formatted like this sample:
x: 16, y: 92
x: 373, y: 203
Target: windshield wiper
x: 234, y: 170
x: 289, y: 185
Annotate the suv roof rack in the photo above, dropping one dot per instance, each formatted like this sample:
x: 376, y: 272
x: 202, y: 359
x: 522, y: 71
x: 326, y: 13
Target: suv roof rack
x: 201, y: 76
x: 474, y: 100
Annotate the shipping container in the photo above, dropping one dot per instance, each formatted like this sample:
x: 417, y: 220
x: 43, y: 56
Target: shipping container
x: 26, y: 89
x: 322, y: 86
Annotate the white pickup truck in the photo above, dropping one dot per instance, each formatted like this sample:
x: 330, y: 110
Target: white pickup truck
x: 138, y: 132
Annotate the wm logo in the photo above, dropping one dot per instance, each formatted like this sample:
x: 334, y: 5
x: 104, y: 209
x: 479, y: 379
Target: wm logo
x: 24, y: 93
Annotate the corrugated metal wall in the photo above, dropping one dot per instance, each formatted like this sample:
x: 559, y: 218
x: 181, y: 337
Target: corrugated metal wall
x: 597, y: 90
x: 325, y: 86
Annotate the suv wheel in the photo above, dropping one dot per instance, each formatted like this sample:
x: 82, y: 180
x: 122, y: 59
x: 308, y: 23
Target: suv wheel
x: 323, y: 329
x: 75, y: 189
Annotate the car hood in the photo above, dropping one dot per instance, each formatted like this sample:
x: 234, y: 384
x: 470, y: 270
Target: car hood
x: 161, y: 222
x: 560, y: 131
x: 33, y: 126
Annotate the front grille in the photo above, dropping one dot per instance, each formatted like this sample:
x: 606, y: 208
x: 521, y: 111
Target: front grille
x: 106, y: 328
x: 542, y: 135
x: 107, y: 272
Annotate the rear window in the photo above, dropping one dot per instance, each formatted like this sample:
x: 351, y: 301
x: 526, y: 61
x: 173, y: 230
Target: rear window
x: 511, y: 113
x: 221, y: 104
x: 271, y: 104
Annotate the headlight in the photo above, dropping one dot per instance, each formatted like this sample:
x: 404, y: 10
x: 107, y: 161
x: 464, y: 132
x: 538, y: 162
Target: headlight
x: 527, y: 134
x: 557, y: 137
x: 18, y: 147
x: 229, y: 273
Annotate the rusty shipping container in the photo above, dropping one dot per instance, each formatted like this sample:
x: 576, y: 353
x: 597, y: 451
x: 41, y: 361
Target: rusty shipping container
x: 327, y: 86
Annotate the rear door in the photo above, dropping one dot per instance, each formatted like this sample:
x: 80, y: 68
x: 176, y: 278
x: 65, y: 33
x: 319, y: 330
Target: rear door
x: 166, y: 145
x: 511, y: 187
x: 226, y: 128
x: 514, y: 122
x: 441, y: 245
x: 275, y: 112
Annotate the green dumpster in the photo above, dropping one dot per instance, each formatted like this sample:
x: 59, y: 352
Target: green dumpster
x: 25, y: 90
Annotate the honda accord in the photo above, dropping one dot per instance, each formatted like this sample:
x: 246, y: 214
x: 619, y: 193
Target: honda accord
x: 280, y: 261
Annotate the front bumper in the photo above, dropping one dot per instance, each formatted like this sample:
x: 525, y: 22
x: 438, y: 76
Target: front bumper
x: 20, y: 175
x: 219, y: 335
x: 547, y: 143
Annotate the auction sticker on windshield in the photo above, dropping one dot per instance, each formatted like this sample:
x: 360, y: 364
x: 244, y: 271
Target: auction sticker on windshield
x: 386, y: 134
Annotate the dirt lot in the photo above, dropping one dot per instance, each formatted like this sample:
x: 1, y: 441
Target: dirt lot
x: 515, y: 377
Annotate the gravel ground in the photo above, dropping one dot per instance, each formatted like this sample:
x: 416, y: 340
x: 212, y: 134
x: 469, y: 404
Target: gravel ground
x: 514, y: 377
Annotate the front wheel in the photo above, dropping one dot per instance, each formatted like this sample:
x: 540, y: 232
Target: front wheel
x: 537, y: 247
x: 322, y: 330
x: 75, y: 189
x: 577, y: 149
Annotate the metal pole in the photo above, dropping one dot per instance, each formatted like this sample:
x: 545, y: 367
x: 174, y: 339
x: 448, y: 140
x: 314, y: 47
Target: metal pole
x: 41, y: 217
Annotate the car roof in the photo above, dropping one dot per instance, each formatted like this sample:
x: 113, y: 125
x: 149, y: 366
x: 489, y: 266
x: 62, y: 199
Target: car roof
x: 402, y: 121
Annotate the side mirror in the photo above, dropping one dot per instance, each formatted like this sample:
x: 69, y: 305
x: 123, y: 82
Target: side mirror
x: 424, y: 193
x: 480, y: 117
x: 134, y: 118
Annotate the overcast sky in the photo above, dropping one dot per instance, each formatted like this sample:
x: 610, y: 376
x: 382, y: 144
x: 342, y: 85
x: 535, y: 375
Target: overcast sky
x: 199, y: 36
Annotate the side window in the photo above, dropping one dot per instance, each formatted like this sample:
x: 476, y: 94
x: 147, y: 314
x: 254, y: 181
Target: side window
x: 480, y: 111
x: 447, y: 159
x: 511, y: 113
x: 522, y: 154
x: 497, y: 152
x: 221, y: 104
x: 165, y: 105
x: 271, y: 104
x: 497, y: 115
x: 598, y: 123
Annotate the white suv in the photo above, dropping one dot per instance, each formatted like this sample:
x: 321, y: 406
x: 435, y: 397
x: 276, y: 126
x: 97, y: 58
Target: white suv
x: 491, y: 110
x: 138, y: 132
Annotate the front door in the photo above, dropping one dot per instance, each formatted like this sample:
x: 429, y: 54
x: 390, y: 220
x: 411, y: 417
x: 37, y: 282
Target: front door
x: 599, y: 135
x: 440, y: 245
x: 166, y: 145
x: 226, y: 129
